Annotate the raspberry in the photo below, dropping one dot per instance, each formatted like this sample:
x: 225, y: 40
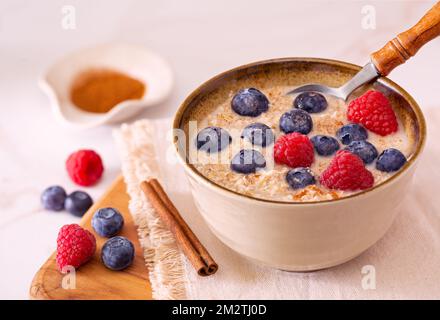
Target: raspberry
x: 347, y: 172
x: 294, y: 149
x: 84, y: 167
x: 75, y: 246
x: 374, y: 112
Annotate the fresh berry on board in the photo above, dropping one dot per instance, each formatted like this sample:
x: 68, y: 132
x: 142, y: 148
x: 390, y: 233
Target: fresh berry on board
x: 325, y: 145
x: 107, y: 222
x: 364, y: 149
x: 84, y: 167
x: 213, y: 139
x: 296, y: 120
x: 117, y: 253
x: 390, y: 160
x: 373, y: 110
x: 75, y: 246
x: 351, y: 132
x: 312, y: 102
x: 53, y: 198
x: 77, y: 203
x: 347, y: 172
x: 299, y: 178
x: 258, y: 134
x: 250, y: 102
x: 294, y: 149
x: 247, y: 161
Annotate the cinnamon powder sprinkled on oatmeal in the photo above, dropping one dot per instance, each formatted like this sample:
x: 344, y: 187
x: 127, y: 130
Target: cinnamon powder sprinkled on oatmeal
x: 100, y: 90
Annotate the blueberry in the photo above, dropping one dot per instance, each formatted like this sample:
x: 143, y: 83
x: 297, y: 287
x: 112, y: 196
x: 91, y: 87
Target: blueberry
x: 351, y: 132
x: 311, y: 102
x: 117, y: 253
x: 258, y: 134
x: 107, y: 222
x: 53, y: 198
x: 390, y: 160
x: 247, y: 161
x: 213, y: 139
x: 77, y: 203
x: 365, y: 150
x: 325, y: 145
x: 296, y: 120
x: 250, y: 102
x: 299, y: 178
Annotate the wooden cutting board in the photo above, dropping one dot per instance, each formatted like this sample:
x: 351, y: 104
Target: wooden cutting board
x: 94, y: 280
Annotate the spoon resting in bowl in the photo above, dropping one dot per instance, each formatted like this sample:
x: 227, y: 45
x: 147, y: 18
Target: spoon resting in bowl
x: 383, y: 61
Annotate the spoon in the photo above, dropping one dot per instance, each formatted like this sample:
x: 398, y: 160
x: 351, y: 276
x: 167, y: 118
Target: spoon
x: 383, y: 61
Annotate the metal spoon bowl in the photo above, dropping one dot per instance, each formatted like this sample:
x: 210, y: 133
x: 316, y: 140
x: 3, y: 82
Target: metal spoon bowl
x: 366, y: 74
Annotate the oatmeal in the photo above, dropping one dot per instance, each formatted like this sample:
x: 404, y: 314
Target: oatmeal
x: 259, y: 102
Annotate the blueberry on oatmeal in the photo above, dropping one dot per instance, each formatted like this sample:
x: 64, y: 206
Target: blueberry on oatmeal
x: 247, y: 161
x: 258, y: 134
x: 299, y: 178
x: 213, y: 139
x: 311, y: 102
x: 296, y: 120
x: 364, y: 149
x: 351, y: 132
x: 390, y: 160
x: 250, y: 102
x: 325, y: 145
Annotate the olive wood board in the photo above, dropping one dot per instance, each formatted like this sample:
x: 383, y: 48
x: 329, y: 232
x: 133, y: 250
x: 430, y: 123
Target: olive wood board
x: 93, y: 280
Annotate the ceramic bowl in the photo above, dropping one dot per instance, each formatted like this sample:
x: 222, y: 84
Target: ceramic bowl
x: 310, y: 235
x: 132, y: 60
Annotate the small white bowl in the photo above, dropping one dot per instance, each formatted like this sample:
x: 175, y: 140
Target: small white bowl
x: 132, y: 60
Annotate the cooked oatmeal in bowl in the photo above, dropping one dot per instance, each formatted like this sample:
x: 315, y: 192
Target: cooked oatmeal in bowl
x: 297, y: 146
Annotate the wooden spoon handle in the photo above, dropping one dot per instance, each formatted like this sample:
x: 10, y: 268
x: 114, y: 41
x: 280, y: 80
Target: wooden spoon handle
x: 406, y: 44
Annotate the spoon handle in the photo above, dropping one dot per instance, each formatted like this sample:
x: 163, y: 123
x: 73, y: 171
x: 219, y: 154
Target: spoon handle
x: 406, y: 44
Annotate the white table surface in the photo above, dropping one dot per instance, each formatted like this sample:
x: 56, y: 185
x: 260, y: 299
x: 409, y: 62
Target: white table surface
x: 199, y: 39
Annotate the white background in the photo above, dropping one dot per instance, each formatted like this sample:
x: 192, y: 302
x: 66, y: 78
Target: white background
x: 199, y: 39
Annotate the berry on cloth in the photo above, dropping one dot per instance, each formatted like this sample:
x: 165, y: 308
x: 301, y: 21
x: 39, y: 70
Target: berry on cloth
x: 312, y: 102
x: 75, y: 246
x: 250, y: 102
x: 390, y: 160
x: 213, y: 139
x: 247, y: 161
x: 77, y: 203
x: 295, y: 150
x: 351, y: 132
x: 296, y: 120
x: 117, y: 253
x: 53, y: 198
x: 299, y: 178
x: 373, y: 110
x: 325, y: 145
x: 107, y: 222
x: 84, y: 167
x: 347, y: 172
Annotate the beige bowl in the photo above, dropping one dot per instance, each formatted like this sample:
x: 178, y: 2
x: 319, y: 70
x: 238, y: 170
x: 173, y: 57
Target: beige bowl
x: 303, y: 236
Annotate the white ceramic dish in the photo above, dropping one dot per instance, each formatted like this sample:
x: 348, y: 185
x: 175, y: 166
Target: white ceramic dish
x: 301, y: 236
x: 135, y: 61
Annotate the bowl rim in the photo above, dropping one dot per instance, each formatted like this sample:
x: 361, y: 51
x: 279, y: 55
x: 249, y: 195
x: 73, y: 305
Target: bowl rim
x: 177, y: 119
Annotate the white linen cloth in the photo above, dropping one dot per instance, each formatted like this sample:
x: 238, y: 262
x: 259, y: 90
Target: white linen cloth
x: 405, y: 263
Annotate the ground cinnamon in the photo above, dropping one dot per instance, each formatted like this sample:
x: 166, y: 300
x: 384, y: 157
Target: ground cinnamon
x: 101, y: 89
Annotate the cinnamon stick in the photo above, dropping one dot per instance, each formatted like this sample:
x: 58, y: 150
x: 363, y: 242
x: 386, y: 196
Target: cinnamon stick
x: 185, y: 237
